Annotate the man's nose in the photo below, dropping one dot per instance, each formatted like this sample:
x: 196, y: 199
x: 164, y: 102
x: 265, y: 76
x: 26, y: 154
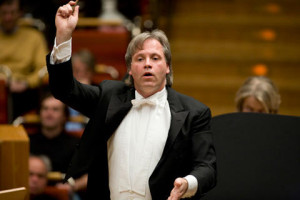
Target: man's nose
x: 148, y: 64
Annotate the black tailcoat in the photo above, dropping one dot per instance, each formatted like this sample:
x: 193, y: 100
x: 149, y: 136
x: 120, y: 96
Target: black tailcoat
x: 189, y: 147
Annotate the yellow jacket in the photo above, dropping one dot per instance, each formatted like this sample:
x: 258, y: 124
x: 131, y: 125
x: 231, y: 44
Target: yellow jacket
x: 24, y: 52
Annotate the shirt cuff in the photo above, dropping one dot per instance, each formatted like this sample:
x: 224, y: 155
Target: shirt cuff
x: 61, y: 53
x: 192, y: 186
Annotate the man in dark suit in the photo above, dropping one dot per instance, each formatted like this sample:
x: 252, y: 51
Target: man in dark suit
x: 144, y: 140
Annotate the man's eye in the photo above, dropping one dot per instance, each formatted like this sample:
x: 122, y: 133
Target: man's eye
x: 140, y: 59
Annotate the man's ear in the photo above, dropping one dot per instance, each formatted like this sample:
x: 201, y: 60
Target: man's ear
x: 168, y: 71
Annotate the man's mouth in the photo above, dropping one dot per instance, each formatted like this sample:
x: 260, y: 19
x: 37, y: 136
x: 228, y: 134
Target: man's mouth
x: 148, y: 74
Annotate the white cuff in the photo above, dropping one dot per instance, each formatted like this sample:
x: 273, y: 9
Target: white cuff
x: 61, y: 53
x: 192, y: 186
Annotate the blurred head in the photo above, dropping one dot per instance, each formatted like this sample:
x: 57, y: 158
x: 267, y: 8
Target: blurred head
x: 83, y: 63
x: 137, y: 44
x: 38, y: 170
x: 53, y: 113
x: 9, y: 15
x: 258, y: 94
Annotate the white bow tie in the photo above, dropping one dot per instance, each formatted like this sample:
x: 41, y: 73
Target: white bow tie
x: 138, y: 102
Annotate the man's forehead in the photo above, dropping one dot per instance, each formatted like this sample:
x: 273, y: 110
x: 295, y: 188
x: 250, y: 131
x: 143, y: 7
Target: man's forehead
x: 52, y: 102
x: 153, y: 45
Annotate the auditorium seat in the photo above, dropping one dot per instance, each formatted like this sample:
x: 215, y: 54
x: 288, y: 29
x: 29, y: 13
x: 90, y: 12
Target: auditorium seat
x: 257, y: 157
x: 58, y: 193
x: 5, y: 75
x: 107, y: 42
x: 31, y: 122
x: 3, y: 102
x: 105, y: 72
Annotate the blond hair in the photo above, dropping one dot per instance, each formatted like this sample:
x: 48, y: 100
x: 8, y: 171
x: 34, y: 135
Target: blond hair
x: 263, y: 89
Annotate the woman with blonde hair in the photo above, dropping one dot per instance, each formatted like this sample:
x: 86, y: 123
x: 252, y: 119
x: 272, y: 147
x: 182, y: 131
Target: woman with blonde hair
x: 258, y: 94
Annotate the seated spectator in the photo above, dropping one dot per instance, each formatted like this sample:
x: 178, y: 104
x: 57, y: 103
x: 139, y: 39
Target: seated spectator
x: 84, y: 64
x: 54, y: 142
x: 23, y: 51
x: 258, y: 94
x: 38, y: 170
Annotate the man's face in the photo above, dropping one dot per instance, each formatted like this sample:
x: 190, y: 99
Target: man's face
x: 9, y: 15
x: 52, y: 113
x: 149, y: 68
x: 37, y: 176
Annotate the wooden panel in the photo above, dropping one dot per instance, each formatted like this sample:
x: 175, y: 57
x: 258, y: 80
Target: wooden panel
x: 216, y: 44
x: 247, y: 7
x: 13, y: 194
x: 14, y: 155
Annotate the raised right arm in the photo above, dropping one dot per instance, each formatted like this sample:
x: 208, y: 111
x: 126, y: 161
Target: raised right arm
x: 62, y: 84
x: 65, y: 21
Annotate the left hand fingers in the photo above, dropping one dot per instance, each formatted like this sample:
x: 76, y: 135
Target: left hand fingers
x: 180, y: 187
x: 175, y: 195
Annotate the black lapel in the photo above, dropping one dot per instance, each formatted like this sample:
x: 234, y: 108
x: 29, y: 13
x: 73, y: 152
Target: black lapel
x: 118, y: 108
x: 178, y: 116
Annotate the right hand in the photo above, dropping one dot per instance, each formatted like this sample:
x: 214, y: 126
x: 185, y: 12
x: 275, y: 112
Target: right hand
x: 65, y: 20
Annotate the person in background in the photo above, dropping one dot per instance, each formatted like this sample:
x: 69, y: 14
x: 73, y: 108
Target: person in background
x: 143, y: 140
x: 258, y: 94
x: 54, y: 142
x: 84, y: 64
x: 38, y: 170
x: 22, y: 50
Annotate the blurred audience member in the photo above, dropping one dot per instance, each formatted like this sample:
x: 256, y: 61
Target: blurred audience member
x: 38, y: 170
x: 23, y: 51
x: 258, y: 94
x: 54, y: 142
x: 84, y: 64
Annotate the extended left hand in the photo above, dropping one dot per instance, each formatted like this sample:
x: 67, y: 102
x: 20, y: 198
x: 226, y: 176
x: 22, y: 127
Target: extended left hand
x: 180, y: 187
